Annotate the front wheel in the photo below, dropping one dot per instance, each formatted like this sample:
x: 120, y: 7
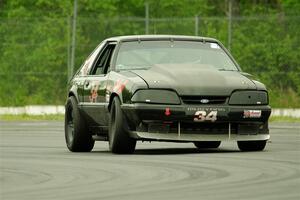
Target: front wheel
x: 119, y: 140
x: 257, y: 145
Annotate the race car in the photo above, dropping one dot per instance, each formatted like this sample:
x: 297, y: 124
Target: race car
x: 164, y: 88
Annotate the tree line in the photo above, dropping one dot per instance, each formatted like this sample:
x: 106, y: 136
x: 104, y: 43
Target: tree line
x: 35, y: 40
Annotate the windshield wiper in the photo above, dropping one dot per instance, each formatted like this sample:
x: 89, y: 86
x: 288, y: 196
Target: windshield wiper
x: 231, y: 70
x: 138, y: 68
x: 132, y: 67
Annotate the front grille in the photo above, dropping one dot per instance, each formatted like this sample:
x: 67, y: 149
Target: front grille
x: 205, y: 128
x: 203, y: 99
x: 192, y: 128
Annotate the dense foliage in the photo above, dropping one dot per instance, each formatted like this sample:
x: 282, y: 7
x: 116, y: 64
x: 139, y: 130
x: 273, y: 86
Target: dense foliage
x: 35, y: 40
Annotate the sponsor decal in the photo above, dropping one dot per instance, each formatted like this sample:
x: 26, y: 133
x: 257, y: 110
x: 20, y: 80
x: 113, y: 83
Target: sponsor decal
x: 207, y: 109
x: 214, y: 46
x: 119, y: 86
x: 252, y: 113
x: 94, y: 92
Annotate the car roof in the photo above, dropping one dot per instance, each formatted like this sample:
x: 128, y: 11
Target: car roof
x: 161, y: 37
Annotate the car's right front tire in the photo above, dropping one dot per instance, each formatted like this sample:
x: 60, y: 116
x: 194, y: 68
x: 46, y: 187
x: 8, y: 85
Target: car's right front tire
x: 119, y: 140
x: 78, y: 139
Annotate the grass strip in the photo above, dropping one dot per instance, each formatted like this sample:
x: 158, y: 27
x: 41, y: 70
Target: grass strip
x: 25, y: 117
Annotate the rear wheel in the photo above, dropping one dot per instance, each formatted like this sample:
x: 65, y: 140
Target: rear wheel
x: 77, y: 137
x: 257, y: 145
x: 119, y: 140
x: 207, y: 144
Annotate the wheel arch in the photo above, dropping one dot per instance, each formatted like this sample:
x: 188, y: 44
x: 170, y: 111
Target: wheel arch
x: 112, y: 96
x: 74, y: 94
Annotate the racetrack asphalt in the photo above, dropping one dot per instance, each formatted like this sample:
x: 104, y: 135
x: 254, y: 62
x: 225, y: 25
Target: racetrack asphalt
x: 35, y: 164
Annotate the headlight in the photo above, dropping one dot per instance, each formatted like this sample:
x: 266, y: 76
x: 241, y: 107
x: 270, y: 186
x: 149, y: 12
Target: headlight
x: 155, y: 96
x: 249, y: 98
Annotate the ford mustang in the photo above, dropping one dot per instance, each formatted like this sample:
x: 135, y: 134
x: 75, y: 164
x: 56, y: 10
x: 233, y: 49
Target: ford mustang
x: 164, y: 88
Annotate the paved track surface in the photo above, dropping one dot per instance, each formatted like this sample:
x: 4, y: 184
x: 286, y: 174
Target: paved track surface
x: 35, y: 164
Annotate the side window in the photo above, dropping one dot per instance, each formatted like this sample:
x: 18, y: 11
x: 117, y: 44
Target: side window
x: 86, y: 66
x: 102, y: 62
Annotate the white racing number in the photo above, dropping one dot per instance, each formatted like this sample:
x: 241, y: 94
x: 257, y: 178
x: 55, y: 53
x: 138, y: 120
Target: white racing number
x: 201, y: 116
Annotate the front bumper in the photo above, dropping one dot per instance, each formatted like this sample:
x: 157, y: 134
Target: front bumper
x: 150, y: 122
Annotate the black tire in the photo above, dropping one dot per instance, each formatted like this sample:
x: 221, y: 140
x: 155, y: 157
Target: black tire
x: 78, y: 139
x: 257, y: 145
x: 207, y: 144
x: 119, y: 140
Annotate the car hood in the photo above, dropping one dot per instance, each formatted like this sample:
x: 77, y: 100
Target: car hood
x: 195, y: 79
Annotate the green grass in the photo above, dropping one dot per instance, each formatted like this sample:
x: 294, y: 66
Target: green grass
x: 61, y: 118
x: 25, y: 117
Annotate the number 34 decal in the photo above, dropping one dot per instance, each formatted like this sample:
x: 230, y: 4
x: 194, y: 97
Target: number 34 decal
x: 201, y: 116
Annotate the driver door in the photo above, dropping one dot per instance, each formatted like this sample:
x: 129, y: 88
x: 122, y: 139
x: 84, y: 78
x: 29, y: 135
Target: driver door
x: 94, y: 89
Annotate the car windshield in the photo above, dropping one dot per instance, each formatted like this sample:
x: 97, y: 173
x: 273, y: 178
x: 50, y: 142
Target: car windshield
x: 145, y: 54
